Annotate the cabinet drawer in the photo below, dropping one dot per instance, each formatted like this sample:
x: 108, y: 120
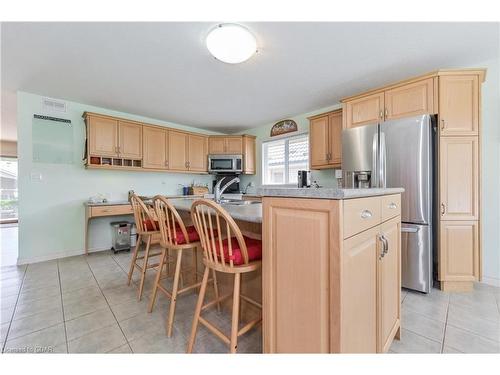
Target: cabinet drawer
x: 112, y: 210
x: 361, y: 214
x: 391, y: 206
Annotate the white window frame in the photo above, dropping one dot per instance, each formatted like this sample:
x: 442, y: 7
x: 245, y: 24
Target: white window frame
x: 287, y: 140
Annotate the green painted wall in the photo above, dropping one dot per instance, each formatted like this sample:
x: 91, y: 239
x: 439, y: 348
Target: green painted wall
x: 51, y: 211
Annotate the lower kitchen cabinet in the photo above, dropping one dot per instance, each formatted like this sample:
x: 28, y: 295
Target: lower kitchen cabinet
x: 389, y: 284
x: 324, y: 292
x: 459, y: 253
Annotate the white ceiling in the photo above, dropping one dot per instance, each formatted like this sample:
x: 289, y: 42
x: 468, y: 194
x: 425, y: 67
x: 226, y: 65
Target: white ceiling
x: 164, y: 71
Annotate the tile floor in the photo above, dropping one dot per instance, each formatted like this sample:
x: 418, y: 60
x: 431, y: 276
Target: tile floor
x: 8, y: 244
x: 83, y: 305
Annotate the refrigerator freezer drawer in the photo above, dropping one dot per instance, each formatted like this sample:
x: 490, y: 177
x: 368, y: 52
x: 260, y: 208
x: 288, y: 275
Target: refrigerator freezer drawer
x: 416, y: 257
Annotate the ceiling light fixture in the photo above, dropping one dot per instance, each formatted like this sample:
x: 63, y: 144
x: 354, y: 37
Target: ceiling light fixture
x: 231, y: 43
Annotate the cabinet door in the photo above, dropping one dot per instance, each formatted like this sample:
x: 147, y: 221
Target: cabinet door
x: 365, y: 110
x: 103, y: 136
x: 130, y: 135
x: 197, y: 153
x: 299, y: 320
x: 319, y: 144
x: 458, y: 251
x: 335, y: 136
x: 216, y: 145
x: 459, y: 105
x: 359, y: 293
x: 458, y: 178
x: 177, y: 150
x: 234, y: 145
x: 389, y: 281
x: 249, y: 155
x: 154, y: 146
x: 410, y: 100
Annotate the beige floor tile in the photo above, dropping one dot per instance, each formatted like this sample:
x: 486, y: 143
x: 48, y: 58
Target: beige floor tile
x: 45, y: 340
x: 124, y: 349
x: 6, y: 302
x: 475, y: 299
x: 144, y: 324
x: 4, y: 327
x: 29, y: 286
x: 432, y: 307
x: 89, y: 323
x: 79, y: 283
x: 100, y: 341
x: 84, y: 306
x: 159, y: 343
x: 29, y: 308
x: 35, y: 294
x: 85, y: 292
x: 470, y: 322
x: 412, y: 343
x: 129, y: 309
x: 6, y: 314
x: 8, y: 291
x: 422, y: 325
x: 449, y: 350
x: 120, y: 294
x: 24, y: 326
x: 467, y: 342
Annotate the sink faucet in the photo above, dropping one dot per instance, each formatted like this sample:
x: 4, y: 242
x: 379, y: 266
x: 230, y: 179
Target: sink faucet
x: 218, y: 190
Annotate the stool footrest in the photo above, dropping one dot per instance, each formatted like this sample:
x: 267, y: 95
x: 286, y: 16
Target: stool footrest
x: 220, y: 299
x: 251, y: 301
x: 216, y: 331
x: 249, y: 326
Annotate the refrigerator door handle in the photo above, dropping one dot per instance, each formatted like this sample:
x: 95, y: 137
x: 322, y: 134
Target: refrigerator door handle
x: 410, y: 230
x: 375, y: 173
x: 383, y: 164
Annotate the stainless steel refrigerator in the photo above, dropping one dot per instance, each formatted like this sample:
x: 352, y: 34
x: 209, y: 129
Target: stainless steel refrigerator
x: 399, y: 153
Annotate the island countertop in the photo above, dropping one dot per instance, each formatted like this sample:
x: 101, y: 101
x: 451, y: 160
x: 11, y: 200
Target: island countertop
x: 325, y: 193
x: 246, y: 212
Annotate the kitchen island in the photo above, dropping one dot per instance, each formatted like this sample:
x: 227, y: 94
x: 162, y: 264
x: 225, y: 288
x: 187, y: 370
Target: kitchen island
x: 331, y: 269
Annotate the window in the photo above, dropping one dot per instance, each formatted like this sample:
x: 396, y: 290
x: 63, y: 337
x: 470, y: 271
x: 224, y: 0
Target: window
x: 281, y: 159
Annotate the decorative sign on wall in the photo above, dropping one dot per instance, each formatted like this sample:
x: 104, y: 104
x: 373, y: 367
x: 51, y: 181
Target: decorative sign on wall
x: 283, y: 127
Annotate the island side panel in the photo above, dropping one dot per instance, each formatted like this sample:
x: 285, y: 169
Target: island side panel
x: 301, y: 278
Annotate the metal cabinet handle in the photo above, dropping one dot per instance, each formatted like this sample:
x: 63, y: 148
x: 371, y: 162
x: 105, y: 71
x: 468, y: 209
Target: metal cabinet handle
x: 366, y: 214
x: 380, y: 237
x: 392, y: 205
x: 381, y: 114
x: 442, y: 124
x: 166, y: 163
x: 386, y: 113
x: 443, y: 209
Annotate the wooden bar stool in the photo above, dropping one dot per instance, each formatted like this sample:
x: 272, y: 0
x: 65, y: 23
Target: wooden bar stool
x: 148, y: 233
x: 225, y: 250
x: 175, y: 236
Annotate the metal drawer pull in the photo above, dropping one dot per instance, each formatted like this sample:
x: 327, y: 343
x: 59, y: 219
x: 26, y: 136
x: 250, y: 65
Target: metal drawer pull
x: 366, y: 214
x: 392, y: 205
x: 410, y: 230
x: 443, y: 209
x: 385, y: 246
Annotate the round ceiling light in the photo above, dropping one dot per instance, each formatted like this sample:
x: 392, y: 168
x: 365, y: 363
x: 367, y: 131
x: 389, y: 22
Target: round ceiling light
x: 231, y: 43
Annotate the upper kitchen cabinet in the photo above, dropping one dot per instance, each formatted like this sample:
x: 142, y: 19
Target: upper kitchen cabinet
x: 230, y: 145
x: 459, y: 104
x: 129, y: 140
x: 412, y: 99
x: 102, y: 135
x: 197, y: 153
x: 178, y: 150
x: 155, y: 146
x: 249, y: 154
x: 325, y: 140
x: 235, y: 145
x: 365, y: 110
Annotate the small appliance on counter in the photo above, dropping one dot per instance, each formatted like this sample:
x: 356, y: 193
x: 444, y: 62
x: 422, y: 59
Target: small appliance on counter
x: 304, y: 179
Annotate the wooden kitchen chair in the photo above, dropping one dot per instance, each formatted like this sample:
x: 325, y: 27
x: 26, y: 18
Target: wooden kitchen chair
x: 225, y: 250
x: 176, y: 237
x: 148, y: 233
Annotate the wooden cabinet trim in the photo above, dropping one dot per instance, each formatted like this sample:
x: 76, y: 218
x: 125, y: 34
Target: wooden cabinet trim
x: 416, y: 98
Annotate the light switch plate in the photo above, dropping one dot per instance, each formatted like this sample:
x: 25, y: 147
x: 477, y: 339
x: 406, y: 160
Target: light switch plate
x: 338, y: 173
x: 35, y: 176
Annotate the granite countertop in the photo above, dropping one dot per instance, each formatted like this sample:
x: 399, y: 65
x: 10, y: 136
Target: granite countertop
x: 325, y: 193
x: 246, y: 212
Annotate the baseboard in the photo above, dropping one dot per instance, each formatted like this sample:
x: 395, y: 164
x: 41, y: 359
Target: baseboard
x: 491, y: 281
x: 58, y: 255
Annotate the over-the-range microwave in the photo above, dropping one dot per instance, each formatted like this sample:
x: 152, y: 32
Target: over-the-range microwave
x: 225, y: 163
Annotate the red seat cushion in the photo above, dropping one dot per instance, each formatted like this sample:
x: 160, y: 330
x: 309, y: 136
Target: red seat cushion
x: 191, y: 233
x: 254, y: 249
x: 148, y: 225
